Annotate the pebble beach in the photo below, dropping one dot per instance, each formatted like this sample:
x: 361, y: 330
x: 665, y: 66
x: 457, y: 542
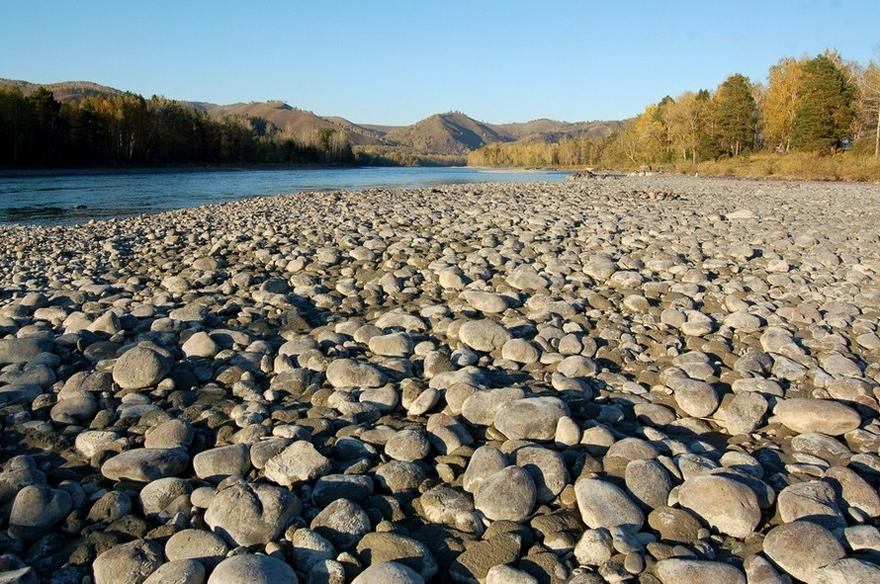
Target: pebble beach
x: 648, y: 379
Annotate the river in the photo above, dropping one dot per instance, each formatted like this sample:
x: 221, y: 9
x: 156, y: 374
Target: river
x: 59, y: 198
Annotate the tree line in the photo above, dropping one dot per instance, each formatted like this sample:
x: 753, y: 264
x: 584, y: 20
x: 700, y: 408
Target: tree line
x: 817, y: 105
x: 566, y: 152
x: 127, y: 129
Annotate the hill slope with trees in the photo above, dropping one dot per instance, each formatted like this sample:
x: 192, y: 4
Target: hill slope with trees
x: 816, y: 117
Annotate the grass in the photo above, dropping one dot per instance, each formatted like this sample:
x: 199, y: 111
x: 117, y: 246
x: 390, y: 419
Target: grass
x: 846, y: 166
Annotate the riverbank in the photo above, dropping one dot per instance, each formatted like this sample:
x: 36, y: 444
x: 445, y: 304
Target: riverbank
x: 807, y: 166
x: 792, y: 166
x: 648, y: 375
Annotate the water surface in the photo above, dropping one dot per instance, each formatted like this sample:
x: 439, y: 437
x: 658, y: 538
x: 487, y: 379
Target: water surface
x: 57, y: 198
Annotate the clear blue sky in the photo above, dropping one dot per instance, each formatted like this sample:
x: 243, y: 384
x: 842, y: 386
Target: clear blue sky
x: 396, y: 62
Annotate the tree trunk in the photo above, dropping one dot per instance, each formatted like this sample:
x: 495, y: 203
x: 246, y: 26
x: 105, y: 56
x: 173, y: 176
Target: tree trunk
x: 877, y: 134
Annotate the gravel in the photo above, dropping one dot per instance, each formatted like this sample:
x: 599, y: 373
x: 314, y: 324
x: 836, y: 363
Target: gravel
x: 649, y: 378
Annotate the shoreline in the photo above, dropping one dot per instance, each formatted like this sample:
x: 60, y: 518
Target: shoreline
x: 446, y: 376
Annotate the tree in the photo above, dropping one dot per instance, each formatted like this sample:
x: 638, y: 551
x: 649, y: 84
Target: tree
x: 870, y: 100
x: 781, y: 101
x: 735, y: 115
x: 685, y: 120
x: 651, y: 133
x: 825, y: 114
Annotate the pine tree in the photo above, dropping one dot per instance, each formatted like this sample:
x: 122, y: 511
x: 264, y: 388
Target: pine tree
x: 824, y: 116
x: 735, y: 115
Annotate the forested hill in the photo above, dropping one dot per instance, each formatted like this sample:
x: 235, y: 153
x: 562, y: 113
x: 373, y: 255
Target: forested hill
x: 96, y: 126
x: 813, y: 117
x: 84, y: 123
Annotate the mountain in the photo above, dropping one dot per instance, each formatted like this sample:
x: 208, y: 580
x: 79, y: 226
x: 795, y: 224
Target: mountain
x: 294, y: 122
x: 545, y: 130
x: 64, y: 90
x: 451, y: 133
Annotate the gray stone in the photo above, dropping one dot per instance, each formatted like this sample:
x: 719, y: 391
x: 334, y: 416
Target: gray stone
x: 506, y: 575
x: 218, y: 463
x: 342, y: 522
x: 200, y: 344
x: 802, y: 547
x: 328, y: 488
x: 686, y: 571
x: 483, y: 335
x: 816, y: 415
x: 531, y: 418
x: 350, y: 373
x: 158, y: 494
x: 140, y: 368
x: 649, y: 482
x: 128, y: 563
x: 811, y: 501
x: 378, y: 548
x: 409, y: 444
x: 252, y: 569
x: 300, y: 461
x: 604, y: 504
x: 251, y: 514
x: 36, y: 510
x: 389, y: 573
x: 23, y: 349
x: 146, y: 464
x: 309, y: 548
x: 178, y: 572
x: 206, y: 547
x: 508, y: 494
x: 728, y: 505
x: 847, y: 571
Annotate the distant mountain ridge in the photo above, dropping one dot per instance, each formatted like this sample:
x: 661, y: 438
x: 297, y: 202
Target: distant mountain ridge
x: 444, y: 133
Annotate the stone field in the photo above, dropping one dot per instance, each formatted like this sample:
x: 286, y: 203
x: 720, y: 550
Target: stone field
x: 646, y: 379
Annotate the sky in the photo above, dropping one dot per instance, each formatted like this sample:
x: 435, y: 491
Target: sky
x: 395, y: 62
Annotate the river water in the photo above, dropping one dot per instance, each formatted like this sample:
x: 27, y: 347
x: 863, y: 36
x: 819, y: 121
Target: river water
x: 58, y: 198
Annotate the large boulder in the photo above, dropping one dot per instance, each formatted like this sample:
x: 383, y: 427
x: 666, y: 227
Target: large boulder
x: 250, y: 514
x: 531, y: 418
x: 724, y: 503
x: 604, y: 504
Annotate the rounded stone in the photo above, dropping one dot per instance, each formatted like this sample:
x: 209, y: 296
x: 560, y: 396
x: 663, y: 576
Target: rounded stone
x: 388, y: 573
x: 604, y: 504
x: 802, y: 547
x: 508, y: 494
x: 252, y: 569
x: 531, y: 418
x: 342, y: 522
x: 178, y: 572
x: 128, y: 563
x: 146, y: 464
x: 139, y: 368
x: 408, y: 445
x: 483, y: 335
x: 686, y: 571
x: 196, y: 544
x: 250, y: 514
x: 816, y: 415
x: 728, y: 505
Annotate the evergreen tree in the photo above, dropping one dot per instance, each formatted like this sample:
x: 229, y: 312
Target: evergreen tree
x: 735, y: 115
x: 825, y: 113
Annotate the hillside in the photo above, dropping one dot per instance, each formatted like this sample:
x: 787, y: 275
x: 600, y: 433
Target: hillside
x: 64, y: 90
x: 294, y: 122
x: 552, y: 131
x: 447, y: 134
x: 450, y: 133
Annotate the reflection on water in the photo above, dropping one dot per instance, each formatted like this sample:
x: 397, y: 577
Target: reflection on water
x: 59, y: 198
